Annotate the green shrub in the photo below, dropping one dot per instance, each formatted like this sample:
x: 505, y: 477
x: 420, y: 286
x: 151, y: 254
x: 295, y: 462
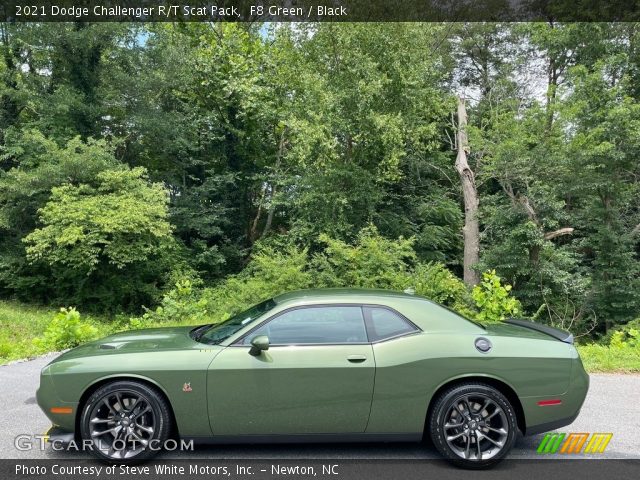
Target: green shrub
x: 626, y: 333
x: 629, y: 338
x: 66, y: 330
x: 182, y: 304
x: 494, y: 300
x: 619, y: 351
x: 269, y: 273
x: 372, y: 262
x: 437, y: 283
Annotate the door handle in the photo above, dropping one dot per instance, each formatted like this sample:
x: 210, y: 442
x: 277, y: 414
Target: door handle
x: 356, y: 358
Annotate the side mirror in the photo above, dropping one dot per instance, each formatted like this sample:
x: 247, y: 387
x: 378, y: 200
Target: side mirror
x: 258, y: 345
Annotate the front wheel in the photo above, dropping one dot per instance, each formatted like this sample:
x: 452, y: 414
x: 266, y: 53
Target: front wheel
x: 125, y: 421
x: 473, y: 425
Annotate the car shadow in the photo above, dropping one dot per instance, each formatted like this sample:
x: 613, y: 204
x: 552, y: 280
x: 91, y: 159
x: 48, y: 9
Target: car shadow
x: 524, y: 446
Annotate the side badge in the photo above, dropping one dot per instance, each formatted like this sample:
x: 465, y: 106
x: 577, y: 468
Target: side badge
x: 186, y: 387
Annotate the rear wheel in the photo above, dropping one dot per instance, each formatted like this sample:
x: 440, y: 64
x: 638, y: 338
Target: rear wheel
x: 473, y: 425
x: 125, y: 421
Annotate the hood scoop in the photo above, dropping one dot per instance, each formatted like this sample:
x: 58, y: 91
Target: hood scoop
x: 110, y: 346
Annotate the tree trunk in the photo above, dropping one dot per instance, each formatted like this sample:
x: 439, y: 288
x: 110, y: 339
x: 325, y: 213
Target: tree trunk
x: 471, y: 230
x: 272, y: 209
x: 558, y: 233
x: 274, y: 187
x: 254, y: 225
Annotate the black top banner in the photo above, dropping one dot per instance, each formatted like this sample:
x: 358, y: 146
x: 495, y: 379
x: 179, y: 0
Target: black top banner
x: 319, y: 10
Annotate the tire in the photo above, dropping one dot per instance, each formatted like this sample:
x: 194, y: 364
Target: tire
x: 473, y: 425
x: 125, y: 422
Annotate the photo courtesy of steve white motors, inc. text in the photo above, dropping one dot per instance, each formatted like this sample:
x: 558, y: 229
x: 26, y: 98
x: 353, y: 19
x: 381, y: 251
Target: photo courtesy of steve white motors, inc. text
x: 172, y: 469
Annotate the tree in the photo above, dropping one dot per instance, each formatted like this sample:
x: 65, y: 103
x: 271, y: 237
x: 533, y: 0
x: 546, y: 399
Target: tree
x: 94, y: 232
x: 603, y: 146
x: 365, y: 143
x: 471, y: 229
x: 287, y: 136
x: 39, y: 165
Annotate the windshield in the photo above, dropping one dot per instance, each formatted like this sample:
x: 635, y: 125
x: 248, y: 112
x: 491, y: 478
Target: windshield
x: 215, y: 334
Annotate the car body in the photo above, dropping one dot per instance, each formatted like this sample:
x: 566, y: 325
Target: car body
x: 322, y: 365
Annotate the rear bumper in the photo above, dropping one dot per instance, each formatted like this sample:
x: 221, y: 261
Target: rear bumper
x: 544, y: 418
x: 554, y: 425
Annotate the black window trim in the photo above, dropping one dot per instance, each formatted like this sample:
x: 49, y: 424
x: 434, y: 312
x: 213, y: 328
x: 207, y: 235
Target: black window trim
x: 363, y: 306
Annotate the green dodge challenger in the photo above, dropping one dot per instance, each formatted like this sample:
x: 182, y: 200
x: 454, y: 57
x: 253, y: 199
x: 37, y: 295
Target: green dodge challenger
x: 318, y: 365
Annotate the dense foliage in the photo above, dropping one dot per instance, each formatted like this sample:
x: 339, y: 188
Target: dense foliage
x: 372, y: 262
x: 66, y: 330
x: 620, y: 350
x: 187, y: 170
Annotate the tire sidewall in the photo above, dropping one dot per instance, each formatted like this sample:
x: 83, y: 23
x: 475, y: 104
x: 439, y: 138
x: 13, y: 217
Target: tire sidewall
x: 441, y: 407
x: 159, y: 408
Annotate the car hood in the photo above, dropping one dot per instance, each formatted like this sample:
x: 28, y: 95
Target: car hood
x: 152, y: 339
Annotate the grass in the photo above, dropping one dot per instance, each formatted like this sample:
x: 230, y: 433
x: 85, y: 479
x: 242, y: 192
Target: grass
x: 607, y: 359
x: 19, y: 325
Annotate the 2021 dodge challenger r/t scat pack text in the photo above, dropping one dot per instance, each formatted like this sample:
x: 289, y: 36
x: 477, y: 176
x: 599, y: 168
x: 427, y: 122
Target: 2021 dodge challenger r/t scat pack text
x: 318, y: 365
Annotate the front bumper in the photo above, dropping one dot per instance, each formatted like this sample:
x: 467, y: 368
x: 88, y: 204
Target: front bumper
x: 61, y: 414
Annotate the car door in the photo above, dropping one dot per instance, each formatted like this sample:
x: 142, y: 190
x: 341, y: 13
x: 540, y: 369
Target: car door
x: 403, y: 369
x: 316, y: 377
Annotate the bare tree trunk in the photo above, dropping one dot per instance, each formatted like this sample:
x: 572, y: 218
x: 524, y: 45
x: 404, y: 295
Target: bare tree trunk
x: 254, y: 225
x: 471, y: 230
x: 274, y: 187
x: 272, y: 209
x: 558, y: 233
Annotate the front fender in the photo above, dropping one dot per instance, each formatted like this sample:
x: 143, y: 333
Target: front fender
x: 69, y: 382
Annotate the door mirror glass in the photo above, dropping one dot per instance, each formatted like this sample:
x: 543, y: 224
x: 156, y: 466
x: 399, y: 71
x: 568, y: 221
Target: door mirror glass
x: 258, y: 345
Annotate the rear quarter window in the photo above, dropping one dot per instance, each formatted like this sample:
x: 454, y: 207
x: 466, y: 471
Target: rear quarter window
x: 383, y: 323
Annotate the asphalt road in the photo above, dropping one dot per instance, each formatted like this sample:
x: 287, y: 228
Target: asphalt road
x: 613, y: 405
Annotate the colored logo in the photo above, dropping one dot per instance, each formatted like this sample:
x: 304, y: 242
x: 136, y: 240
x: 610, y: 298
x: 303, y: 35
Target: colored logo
x: 187, y: 387
x: 574, y: 443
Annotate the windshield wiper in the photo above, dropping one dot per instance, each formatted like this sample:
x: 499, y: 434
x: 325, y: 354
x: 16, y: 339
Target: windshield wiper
x: 198, y: 332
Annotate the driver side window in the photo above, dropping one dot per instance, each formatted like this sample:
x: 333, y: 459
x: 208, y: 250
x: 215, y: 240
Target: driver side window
x: 314, y: 326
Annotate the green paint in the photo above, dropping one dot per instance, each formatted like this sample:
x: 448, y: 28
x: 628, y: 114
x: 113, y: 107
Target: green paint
x: 304, y: 389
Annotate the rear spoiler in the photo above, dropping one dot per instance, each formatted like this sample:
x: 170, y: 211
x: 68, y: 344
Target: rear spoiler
x: 556, y: 333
